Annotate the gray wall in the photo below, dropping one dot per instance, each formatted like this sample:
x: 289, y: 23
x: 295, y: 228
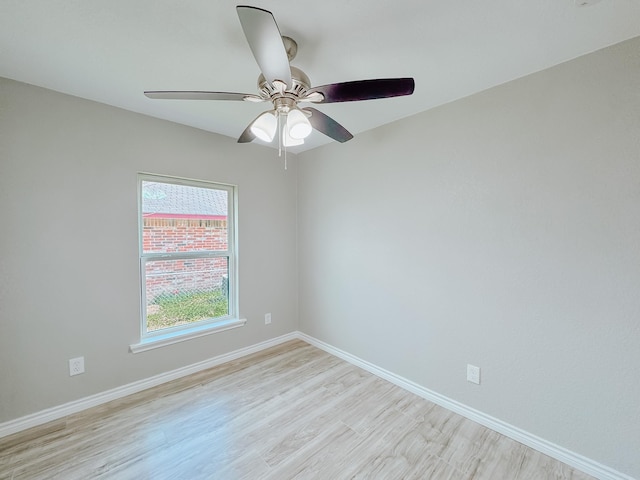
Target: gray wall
x: 69, y: 243
x: 501, y: 230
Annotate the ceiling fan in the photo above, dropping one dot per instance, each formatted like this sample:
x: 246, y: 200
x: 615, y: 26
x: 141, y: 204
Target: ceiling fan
x: 286, y: 86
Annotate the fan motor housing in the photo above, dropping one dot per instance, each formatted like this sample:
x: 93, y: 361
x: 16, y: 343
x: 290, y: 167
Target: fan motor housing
x: 300, y: 83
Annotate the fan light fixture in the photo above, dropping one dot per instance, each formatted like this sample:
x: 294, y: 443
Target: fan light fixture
x: 298, y: 124
x: 295, y: 126
x: 265, y: 126
x: 288, y: 140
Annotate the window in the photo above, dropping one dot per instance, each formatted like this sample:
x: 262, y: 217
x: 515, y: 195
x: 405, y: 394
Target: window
x: 187, y: 259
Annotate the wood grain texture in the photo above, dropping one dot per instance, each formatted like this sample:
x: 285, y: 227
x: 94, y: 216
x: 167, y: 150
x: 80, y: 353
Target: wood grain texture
x: 290, y: 412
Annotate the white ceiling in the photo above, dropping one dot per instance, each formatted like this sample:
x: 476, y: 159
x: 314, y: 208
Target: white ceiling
x: 111, y: 51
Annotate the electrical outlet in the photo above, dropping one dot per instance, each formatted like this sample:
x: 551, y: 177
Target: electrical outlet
x: 473, y: 374
x: 267, y: 318
x: 76, y: 366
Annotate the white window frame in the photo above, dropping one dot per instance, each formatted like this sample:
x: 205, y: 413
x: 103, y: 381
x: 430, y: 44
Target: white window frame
x: 168, y: 336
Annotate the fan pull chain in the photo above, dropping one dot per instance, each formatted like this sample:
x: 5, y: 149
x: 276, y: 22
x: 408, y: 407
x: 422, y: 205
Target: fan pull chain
x: 279, y: 134
x: 284, y: 144
x: 281, y: 143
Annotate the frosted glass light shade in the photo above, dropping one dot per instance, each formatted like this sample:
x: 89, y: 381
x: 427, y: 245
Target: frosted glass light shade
x: 288, y: 140
x: 264, y: 127
x: 298, y: 125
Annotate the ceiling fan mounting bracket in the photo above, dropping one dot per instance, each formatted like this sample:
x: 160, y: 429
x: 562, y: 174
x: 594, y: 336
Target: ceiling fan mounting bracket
x: 290, y: 46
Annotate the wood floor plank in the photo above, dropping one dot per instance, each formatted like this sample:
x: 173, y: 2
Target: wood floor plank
x: 336, y: 441
x: 289, y: 412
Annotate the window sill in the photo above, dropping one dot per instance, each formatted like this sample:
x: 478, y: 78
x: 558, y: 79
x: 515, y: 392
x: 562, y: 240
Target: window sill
x: 176, y: 337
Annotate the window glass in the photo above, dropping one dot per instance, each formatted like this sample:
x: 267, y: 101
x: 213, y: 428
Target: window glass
x: 187, y: 253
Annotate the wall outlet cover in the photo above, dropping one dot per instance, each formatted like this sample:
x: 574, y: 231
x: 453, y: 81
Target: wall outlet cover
x: 473, y: 374
x: 76, y: 366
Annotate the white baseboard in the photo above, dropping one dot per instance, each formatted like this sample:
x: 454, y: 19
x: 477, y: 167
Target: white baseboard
x: 572, y: 459
x: 575, y: 460
x: 54, y: 413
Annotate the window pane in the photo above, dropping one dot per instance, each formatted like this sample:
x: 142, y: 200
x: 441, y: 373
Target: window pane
x: 180, y: 292
x: 180, y: 218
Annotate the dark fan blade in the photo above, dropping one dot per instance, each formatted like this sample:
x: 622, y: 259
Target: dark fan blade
x: 186, y: 95
x: 265, y: 41
x: 328, y: 126
x: 247, y: 136
x: 365, y: 89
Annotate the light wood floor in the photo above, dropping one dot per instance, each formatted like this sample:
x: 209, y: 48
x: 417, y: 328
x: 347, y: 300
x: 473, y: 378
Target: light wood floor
x: 292, y: 411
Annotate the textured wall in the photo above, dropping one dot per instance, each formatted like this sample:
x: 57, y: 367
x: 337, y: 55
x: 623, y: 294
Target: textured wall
x: 68, y: 209
x: 501, y: 230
